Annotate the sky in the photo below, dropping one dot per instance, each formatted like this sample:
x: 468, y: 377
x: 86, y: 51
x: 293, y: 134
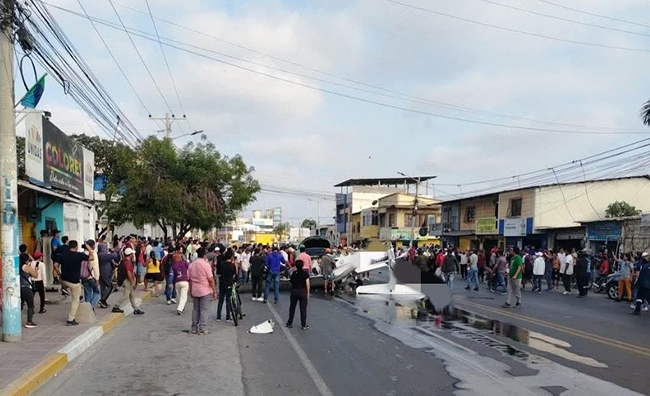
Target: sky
x: 341, y: 89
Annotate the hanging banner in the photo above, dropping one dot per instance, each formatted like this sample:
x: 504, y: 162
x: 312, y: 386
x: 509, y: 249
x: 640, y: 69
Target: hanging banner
x: 34, y: 146
x: 486, y: 225
x: 53, y: 159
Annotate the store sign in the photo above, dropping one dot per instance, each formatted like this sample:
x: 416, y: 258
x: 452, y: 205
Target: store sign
x: 603, y: 231
x: 55, y: 160
x: 514, y: 227
x: 400, y: 234
x: 487, y: 225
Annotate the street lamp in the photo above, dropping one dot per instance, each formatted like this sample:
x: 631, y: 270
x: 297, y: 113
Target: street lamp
x: 415, y: 205
x: 188, y: 134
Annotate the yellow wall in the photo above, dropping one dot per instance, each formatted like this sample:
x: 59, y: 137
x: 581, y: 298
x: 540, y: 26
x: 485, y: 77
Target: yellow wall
x: 265, y: 238
x: 483, y: 207
x: 370, y: 232
x: 527, y: 204
x: 464, y: 243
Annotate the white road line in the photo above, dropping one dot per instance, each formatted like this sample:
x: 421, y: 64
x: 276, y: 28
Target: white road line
x: 313, y: 373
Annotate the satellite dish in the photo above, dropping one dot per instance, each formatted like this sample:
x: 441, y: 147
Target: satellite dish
x: 423, y: 231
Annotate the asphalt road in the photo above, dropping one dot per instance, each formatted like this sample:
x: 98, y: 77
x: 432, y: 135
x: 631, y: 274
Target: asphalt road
x: 375, y: 345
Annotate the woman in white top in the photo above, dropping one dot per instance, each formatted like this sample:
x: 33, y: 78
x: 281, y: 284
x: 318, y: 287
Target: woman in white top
x: 39, y: 280
x: 91, y: 284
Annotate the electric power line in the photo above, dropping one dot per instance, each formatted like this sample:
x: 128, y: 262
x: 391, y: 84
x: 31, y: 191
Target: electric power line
x: 135, y: 47
x: 415, y: 99
x: 336, y: 93
x: 594, y: 14
x: 506, y: 29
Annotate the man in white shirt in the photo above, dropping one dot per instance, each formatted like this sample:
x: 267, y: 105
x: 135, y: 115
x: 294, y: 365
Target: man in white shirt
x: 567, y: 271
x: 245, y: 257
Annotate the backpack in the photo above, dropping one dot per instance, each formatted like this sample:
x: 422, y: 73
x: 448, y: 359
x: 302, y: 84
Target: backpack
x: 121, y: 274
x: 86, y: 270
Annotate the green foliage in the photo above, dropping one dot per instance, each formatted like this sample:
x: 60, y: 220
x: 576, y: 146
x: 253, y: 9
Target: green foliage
x: 621, y: 209
x: 309, y: 223
x: 281, y: 229
x: 20, y: 152
x: 195, y: 187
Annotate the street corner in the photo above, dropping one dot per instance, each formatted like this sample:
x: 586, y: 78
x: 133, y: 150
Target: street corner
x: 35, y: 377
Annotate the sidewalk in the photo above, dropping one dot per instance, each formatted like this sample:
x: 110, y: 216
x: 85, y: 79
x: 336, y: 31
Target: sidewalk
x: 45, y: 350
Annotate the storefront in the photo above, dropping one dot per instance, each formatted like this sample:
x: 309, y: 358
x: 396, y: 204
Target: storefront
x: 604, y: 235
x: 568, y: 238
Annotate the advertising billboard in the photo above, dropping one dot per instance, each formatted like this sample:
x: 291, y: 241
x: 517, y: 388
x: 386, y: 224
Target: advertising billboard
x: 54, y: 160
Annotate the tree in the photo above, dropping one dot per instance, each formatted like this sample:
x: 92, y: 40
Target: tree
x: 192, y: 188
x: 645, y: 113
x: 113, y: 160
x: 281, y: 229
x: 20, y: 152
x: 621, y: 209
x: 309, y: 223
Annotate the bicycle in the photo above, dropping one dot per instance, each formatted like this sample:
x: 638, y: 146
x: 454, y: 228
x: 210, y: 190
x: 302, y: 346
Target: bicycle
x: 233, y: 303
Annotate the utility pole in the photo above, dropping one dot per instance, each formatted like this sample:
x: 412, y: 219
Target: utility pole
x: 11, y: 315
x: 169, y: 119
x: 415, y: 212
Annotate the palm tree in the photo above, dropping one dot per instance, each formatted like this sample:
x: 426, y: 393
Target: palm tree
x: 645, y: 113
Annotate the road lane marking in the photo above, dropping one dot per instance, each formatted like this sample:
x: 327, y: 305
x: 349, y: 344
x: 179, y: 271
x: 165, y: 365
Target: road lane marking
x: 579, y: 333
x: 313, y: 373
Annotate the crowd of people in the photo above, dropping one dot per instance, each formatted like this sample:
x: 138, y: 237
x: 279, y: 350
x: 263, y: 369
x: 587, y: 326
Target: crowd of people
x: 92, y: 271
x: 510, y: 272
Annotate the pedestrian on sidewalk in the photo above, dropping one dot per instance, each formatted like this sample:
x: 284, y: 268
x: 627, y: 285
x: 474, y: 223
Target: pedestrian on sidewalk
x: 181, y: 280
x: 90, y: 276
x: 300, y: 291
x: 642, y: 284
x: 580, y: 269
x: 202, y: 287
x: 227, y: 274
x: 39, y: 285
x: 514, y: 283
x: 625, y: 283
x: 70, y: 262
x: 567, y: 272
x: 539, y: 267
x: 257, y: 266
x: 26, y: 291
x: 107, y: 261
x: 472, y: 274
x: 274, y: 264
x: 153, y: 273
x: 127, y: 280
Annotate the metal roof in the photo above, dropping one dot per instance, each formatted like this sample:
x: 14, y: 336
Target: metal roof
x: 383, y: 181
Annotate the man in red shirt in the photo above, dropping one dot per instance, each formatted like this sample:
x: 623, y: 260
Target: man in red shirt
x: 126, y: 276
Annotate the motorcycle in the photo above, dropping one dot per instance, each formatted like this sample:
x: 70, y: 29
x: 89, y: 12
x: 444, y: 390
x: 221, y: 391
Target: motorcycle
x: 599, y: 283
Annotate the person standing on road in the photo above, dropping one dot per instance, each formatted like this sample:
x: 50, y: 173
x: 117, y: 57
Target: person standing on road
x: 472, y: 275
x: 127, y: 279
x: 625, y: 283
x: 462, y: 259
x: 514, y: 283
x: 39, y: 285
x: 567, y: 272
x: 306, y: 259
x: 501, y: 268
x: 168, y: 272
x: 257, y: 266
x: 153, y: 273
x: 327, y: 265
x: 300, y: 290
x: 227, y: 272
x: 181, y: 281
x: 642, y: 284
x: 26, y: 290
x: 449, y: 266
x: 539, y: 267
x: 580, y: 269
x: 274, y: 263
x: 548, y: 269
x: 245, y: 265
x: 202, y: 287
x: 557, y: 264
x: 70, y: 262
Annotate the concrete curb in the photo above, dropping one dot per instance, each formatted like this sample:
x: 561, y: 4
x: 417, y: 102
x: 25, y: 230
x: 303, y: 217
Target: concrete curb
x: 35, y: 377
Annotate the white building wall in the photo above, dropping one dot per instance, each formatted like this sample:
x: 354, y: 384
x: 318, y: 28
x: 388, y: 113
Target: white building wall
x: 587, y: 201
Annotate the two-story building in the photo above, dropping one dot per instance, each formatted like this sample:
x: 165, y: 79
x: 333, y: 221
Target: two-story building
x: 359, y: 194
x: 396, y: 221
x: 541, y: 216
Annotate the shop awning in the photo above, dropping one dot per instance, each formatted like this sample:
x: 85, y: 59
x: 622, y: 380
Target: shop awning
x: 53, y: 193
x: 458, y: 233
